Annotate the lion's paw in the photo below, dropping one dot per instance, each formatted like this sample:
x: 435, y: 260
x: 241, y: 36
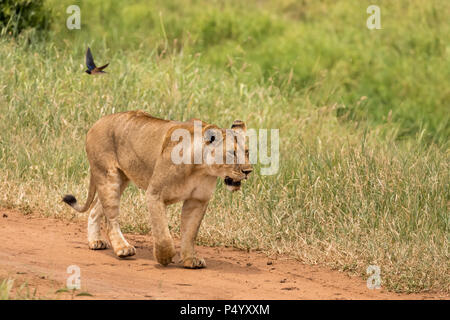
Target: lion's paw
x: 164, y: 252
x: 194, y: 263
x: 125, y: 251
x: 97, y: 244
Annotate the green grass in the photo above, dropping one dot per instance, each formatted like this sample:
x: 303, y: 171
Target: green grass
x: 322, y: 49
x: 364, y: 170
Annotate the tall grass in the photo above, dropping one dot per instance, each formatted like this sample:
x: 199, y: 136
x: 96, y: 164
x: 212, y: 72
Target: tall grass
x: 321, y: 48
x: 357, y: 185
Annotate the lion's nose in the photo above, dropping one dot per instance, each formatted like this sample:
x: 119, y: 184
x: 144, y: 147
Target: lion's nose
x: 247, y: 171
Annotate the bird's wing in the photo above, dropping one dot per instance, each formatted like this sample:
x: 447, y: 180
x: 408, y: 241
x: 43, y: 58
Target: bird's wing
x: 90, y: 60
x: 102, y: 67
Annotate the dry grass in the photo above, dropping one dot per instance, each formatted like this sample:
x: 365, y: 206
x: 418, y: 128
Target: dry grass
x: 9, y: 290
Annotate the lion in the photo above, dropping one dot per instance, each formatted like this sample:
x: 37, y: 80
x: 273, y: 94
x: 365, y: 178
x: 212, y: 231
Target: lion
x: 135, y: 146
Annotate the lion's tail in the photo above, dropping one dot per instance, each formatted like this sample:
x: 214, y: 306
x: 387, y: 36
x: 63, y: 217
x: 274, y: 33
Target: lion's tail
x: 72, y: 201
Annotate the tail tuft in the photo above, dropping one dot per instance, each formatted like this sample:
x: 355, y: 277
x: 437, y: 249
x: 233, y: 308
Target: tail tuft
x: 70, y: 199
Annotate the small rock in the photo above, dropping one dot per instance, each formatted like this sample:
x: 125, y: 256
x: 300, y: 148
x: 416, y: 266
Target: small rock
x: 249, y: 264
x: 5, y: 215
x: 269, y: 263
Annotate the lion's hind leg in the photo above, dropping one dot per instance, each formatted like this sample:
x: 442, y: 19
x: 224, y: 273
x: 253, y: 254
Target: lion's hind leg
x: 110, y: 188
x: 95, y: 239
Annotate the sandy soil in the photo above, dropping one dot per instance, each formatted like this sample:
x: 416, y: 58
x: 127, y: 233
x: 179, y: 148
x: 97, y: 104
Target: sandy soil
x: 39, y: 250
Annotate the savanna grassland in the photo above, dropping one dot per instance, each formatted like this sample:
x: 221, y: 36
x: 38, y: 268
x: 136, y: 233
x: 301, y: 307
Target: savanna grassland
x: 363, y: 118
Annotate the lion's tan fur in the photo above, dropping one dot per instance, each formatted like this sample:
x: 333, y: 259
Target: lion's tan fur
x: 134, y: 146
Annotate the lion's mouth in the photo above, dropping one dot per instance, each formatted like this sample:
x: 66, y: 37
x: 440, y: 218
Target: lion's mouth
x: 232, y: 184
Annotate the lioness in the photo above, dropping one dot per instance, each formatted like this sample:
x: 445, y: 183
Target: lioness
x: 134, y: 146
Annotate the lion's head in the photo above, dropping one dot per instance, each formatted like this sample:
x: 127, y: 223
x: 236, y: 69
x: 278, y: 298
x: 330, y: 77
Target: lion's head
x: 226, y: 153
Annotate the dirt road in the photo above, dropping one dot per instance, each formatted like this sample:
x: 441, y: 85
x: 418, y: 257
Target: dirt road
x: 39, y: 250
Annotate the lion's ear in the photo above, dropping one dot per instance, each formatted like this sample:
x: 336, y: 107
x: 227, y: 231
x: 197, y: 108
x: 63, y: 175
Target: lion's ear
x: 212, y: 135
x: 239, y: 125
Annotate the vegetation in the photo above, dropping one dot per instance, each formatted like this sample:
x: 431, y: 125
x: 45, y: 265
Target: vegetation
x: 10, y: 292
x: 19, y: 15
x: 363, y: 118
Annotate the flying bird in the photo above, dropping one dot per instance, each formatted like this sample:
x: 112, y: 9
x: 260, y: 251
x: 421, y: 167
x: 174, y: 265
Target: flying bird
x: 92, y: 68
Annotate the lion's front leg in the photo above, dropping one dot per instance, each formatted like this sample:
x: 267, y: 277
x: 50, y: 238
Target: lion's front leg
x: 191, y: 217
x: 163, y: 247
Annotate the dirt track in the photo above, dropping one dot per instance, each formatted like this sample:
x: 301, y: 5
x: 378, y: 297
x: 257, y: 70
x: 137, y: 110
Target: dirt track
x: 39, y: 250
